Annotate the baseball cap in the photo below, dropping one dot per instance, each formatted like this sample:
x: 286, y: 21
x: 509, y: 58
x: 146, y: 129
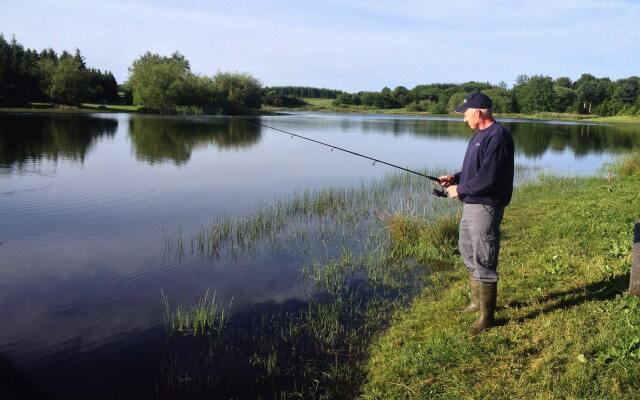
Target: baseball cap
x: 474, y: 100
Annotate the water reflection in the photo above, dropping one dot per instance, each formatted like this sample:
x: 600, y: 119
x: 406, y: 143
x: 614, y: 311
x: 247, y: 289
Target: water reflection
x: 165, y: 139
x: 535, y: 139
x: 532, y: 138
x: 157, y: 140
x: 33, y: 137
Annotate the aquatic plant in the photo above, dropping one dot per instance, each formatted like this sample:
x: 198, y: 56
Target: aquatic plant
x: 204, y: 317
x: 369, y: 250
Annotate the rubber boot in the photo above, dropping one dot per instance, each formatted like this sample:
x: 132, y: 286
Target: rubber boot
x: 474, y: 303
x: 487, y: 296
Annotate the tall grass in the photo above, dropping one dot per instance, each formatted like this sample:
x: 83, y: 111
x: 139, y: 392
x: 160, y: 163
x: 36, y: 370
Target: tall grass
x: 369, y: 251
x: 629, y: 164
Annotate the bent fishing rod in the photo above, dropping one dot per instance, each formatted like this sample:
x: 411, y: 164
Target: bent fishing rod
x: 436, y: 192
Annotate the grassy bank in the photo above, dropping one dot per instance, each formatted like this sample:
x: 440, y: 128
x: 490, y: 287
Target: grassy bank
x: 325, y: 105
x: 567, y: 329
x: 85, y: 107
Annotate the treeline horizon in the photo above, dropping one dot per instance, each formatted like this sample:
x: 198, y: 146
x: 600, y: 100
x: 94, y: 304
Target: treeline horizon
x: 28, y: 76
x: 530, y: 94
x: 155, y: 82
x: 167, y: 84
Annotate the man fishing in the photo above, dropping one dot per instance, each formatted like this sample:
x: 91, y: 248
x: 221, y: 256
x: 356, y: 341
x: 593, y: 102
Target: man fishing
x: 484, y: 185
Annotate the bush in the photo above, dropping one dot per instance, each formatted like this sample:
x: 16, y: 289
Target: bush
x: 416, y: 106
x: 240, y: 91
x: 274, y: 99
x: 346, y: 99
x: 437, y: 107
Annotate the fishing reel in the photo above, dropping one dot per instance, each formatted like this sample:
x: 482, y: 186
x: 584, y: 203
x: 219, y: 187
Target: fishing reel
x: 442, y: 192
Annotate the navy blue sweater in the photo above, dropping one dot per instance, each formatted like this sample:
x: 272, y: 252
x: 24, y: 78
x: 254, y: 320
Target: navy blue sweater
x: 487, y: 170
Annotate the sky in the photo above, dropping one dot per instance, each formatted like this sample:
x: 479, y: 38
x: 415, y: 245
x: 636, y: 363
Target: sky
x: 350, y: 45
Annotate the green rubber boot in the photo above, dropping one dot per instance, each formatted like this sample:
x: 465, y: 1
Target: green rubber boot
x: 474, y: 303
x: 487, y: 297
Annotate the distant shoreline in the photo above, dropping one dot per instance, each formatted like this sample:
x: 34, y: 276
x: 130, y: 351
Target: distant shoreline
x: 325, y: 105
x: 87, y: 108
x: 318, y: 105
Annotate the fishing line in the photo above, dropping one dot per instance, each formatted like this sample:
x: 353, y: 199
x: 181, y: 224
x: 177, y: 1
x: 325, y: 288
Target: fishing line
x: 332, y: 147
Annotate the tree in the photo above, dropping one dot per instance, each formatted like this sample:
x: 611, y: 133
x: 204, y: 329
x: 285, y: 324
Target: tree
x: 346, y: 99
x: 69, y: 82
x: 402, y: 96
x: 19, y: 82
x: 200, y: 91
x: 272, y: 98
x: 79, y: 59
x: 102, y: 87
x: 240, y: 90
x: 627, y: 90
x: 154, y: 79
x: 534, y: 93
x: 367, y: 98
x: 591, y: 91
x: 385, y: 99
x: 564, y: 82
x: 454, y: 100
x: 564, y: 98
x: 502, y: 100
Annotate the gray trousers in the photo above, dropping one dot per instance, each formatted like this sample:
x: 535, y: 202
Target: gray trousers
x: 479, y: 241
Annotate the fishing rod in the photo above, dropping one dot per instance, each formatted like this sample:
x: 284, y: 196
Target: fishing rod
x: 436, y: 192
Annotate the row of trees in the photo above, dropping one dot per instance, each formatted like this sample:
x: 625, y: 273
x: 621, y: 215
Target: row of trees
x: 27, y: 76
x: 304, y: 91
x: 538, y: 93
x: 166, y: 83
x: 155, y: 82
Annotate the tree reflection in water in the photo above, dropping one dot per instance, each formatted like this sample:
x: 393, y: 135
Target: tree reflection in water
x: 161, y: 139
x: 33, y: 137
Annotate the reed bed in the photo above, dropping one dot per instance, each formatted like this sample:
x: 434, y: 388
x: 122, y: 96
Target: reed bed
x: 356, y: 278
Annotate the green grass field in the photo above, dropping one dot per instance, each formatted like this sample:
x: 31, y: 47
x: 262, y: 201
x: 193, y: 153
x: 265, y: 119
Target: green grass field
x: 567, y: 327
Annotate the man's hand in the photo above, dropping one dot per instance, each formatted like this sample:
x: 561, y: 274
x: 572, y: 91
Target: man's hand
x: 445, y: 180
x: 453, y: 191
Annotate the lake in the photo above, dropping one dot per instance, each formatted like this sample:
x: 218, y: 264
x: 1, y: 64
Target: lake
x: 91, y: 206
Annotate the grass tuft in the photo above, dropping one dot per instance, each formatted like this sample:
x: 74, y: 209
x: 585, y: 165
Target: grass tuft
x: 204, y: 317
x: 423, y: 239
x: 629, y: 164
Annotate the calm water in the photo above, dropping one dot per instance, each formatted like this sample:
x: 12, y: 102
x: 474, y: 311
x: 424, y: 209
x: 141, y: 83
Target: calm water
x: 87, y: 202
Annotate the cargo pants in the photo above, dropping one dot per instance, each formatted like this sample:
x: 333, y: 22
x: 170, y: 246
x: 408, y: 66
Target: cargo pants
x: 479, y: 240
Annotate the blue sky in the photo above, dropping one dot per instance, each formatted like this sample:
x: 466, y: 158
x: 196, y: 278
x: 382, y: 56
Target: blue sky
x: 351, y: 45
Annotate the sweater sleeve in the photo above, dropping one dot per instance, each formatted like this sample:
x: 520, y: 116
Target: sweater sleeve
x: 493, y: 163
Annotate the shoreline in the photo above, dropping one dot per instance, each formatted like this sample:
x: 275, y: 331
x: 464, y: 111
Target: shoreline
x: 325, y: 106
x: 266, y: 110
x: 566, y: 325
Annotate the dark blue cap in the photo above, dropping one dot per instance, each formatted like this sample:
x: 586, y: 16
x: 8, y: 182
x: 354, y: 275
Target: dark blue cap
x: 474, y: 100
